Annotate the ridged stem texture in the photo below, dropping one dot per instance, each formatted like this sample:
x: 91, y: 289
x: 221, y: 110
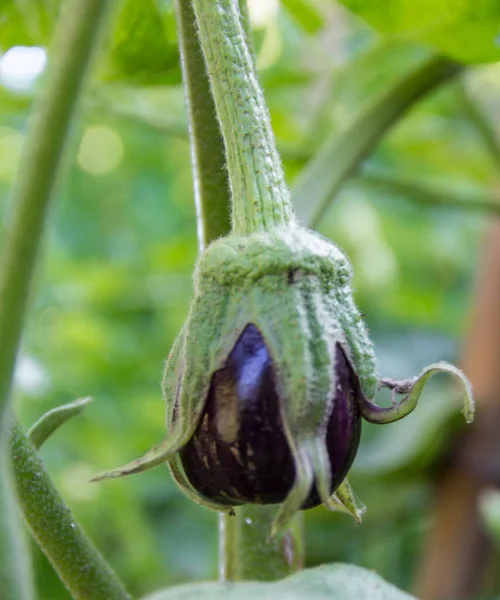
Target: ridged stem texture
x: 260, y: 197
x: 211, y: 185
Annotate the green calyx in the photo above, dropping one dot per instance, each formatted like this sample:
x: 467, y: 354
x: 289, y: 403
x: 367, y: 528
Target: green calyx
x: 241, y: 260
x: 274, y: 279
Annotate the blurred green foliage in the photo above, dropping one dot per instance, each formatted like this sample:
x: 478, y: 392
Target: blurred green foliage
x: 115, y: 282
x: 467, y: 31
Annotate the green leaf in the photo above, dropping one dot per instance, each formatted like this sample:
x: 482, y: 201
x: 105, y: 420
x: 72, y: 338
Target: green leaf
x: 329, y: 582
x: 26, y: 22
x: 144, y: 47
x: 308, y: 17
x: 52, y: 420
x: 466, y: 30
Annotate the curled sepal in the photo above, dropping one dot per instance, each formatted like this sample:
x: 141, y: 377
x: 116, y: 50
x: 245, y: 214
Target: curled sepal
x: 412, y: 388
x: 157, y: 455
x: 304, y: 478
x: 344, y: 500
x: 320, y: 461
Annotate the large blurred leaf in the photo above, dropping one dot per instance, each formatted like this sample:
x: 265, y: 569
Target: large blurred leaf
x: 305, y: 14
x: 467, y: 30
x: 144, y: 44
x: 26, y: 22
x: 142, y: 47
x: 329, y: 582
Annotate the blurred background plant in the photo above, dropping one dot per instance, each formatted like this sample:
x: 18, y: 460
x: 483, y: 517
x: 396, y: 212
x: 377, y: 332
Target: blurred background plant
x: 115, y: 283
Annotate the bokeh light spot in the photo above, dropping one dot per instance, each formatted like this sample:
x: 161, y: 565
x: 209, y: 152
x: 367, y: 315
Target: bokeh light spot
x: 30, y: 376
x: 101, y: 150
x: 262, y: 11
x: 75, y: 482
x: 20, y: 66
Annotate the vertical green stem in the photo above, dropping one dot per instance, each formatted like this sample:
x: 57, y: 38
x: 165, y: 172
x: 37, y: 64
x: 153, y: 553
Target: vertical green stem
x: 244, y: 552
x: 247, y: 27
x: 75, y: 38
x: 260, y: 198
x: 211, y: 185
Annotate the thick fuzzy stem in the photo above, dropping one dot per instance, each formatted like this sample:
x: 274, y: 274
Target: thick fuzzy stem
x: 16, y: 580
x: 80, y: 566
x: 260, y: 198
x: 244, y: 553
x: 211, y: 189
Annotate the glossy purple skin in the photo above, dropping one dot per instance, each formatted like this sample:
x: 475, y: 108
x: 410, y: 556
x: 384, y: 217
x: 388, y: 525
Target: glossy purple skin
x: 239, y: 453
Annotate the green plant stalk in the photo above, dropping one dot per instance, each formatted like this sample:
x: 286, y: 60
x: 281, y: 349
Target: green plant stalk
x: 430, y: 194
x: 79, y: 565
x: 343, y: 154
x: 16, y: 578
x: 481, y: 123
x: 247, y: 26
x: 15, y: 575
x: 75, y: 38
x: 211, y: 185
x: 244, y: 553
x: 260, y: 198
